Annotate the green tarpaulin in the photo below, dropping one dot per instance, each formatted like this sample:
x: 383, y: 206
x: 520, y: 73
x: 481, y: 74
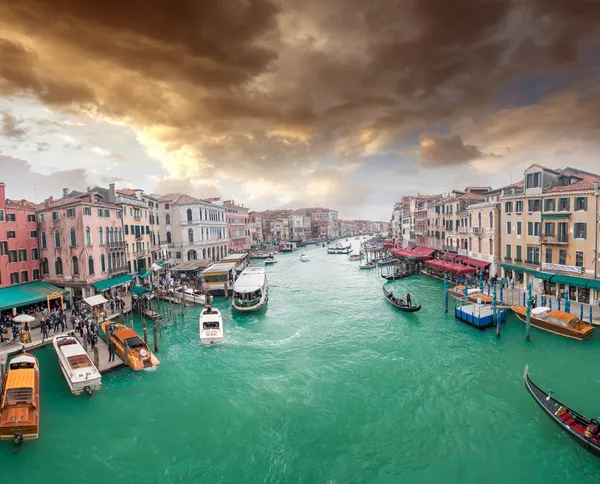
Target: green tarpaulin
x: 570, y: 280
x: 139, y: 290
x: 593, y: 284
x: 25, y: 294
x: 511, y: 267
x: 544, y: 276
x: 112, y: 282
x: 161, y: 263
x: 554, y: 216
x: 145, y: 274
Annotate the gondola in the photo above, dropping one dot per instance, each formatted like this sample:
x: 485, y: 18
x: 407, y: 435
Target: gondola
x: 397, y: 275
x: 400, y: 304
x: 585, y: 431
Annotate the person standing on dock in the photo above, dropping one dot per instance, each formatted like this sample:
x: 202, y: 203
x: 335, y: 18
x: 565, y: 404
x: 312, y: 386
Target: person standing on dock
x: 112, y: 348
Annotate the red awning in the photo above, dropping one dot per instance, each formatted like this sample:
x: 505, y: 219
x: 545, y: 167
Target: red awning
x: 450, y: 267
x: 448, y: 256
x: 481, y: 264
x: 459, y: 258
x: 425, y: 251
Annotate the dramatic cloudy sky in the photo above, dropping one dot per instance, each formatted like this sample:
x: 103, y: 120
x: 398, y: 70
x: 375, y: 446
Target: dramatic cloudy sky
x: 283, y: 103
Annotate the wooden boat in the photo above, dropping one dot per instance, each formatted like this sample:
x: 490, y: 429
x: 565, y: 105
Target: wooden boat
x: 368, y: 265
x: 20, y: 405
x: 585, y: 431
x: 474, y: 295
x: 139, y: 356
x: 396, y: 275
x: 557, y: 322
x: 386, y: 262
x: 399, y: 303
x: 189, y: 295
x: 355, y: 256
x: 339, y: 249
x: 77, y: 367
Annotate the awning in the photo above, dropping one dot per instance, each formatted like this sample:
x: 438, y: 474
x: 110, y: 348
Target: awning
x: 107, y: 284
x: 544, y: 276
x: 25, y: 294
x: 475, y: 262
x: 554, y: 216
x: 593, y: 284
x: 95, y: 300
x: 145, y: 274
x: 512, y: 267
x: 570, y: 280
x: 139, y: 290
x: 160, y: 262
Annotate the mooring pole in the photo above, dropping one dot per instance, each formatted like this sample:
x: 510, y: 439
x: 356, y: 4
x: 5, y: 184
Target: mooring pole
x: 446, y: 291
x: 155, y: 337
x: 496, y: 318
x: 480, y: 280
x: 581, y: 311
x: 528, y: 321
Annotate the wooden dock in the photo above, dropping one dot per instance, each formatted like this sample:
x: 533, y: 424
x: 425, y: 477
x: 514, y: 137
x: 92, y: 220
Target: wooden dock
x: 102, y: 364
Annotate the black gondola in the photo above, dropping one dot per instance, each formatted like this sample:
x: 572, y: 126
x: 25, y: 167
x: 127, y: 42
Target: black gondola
x: 399, y: 303
x: 397, y: 275
x: 585, y: 431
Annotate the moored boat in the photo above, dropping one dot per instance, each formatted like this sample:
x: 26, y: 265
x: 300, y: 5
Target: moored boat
x: 557, y: 322
x: 356, y: 256
x: 585, y: 431
x: 139, y: 356
x: 368, y: 265
x: 339, y: 249
x: 77, y: 367
x: 20, y: 405
x: 386, y: 262
x: 396, y: 275
x: 211, y: 326
x: 400, y: 303
x: 474, y: 295
x: 250, y: 290
x: 189, y: 295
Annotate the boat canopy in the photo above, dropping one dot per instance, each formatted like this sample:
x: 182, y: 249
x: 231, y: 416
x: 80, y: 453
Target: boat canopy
x: 251, y: 280
x: 540, y: 311
x: 22, y: 378
x: 221, y: 268
x: 23, y: 359
x: 95, y: 300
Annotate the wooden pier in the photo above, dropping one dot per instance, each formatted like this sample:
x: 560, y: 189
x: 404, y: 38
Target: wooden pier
x: 100, y: 355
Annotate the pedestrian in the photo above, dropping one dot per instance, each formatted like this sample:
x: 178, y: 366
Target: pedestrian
x: 93, y: 339
x: 42, y: 323
x: 112, y: 348
x: 44, y: 329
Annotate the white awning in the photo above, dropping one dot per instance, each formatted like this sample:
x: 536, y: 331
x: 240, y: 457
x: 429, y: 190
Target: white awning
x: 95, y: 300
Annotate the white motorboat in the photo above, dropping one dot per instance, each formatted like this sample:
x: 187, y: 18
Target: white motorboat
x: 211, y: 326
x: 189, y: 295
x: 251, y: 289
x: 77, y: 367
x: 270, y: 261
x: 304, y: 258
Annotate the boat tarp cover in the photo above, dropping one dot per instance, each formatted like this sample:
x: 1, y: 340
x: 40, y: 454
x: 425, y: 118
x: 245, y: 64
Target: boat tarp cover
x: 112, y: 282
x: 25, y: 294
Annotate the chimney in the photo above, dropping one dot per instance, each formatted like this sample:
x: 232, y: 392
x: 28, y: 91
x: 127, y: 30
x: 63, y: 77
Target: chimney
x: 88, y: 189
x: 65, y: 192
x: 112, y: 196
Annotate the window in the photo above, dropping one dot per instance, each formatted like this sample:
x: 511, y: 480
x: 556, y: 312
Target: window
x: 579, y: 230
x: 508, y: 247
x: 11, y: 217
x: 87, y: 211
x: 168, y: 237
x: 3, y: 248
x: 12, y: 256
x: 519, y: 206
x: 14, y: 277
x: 44, y: 266
x: 533, y: 255
x: 549, y: 229
x: 91, y: 265
x: 579, y: 258
x: 508, y: 207
x: 178, y: 255
x: 31, y: 218
x: 190, y: 235
x: 35, y: 275
x: 533, y: 180
x: 549, y: 205
x: 34, y: 254
x: 100, y: 212
x: 11, y: 234
x: 42, y: 217
x: 1, y: 215
x: 508, y: 228
x: 562, y: 257
x: 166, y: 206
x: 33, y: 234
x: 58, y: 267
x: 147, y: 230
x: 491, y: 220
x: 189, y: 214
x: 72, y: 237
x: 518, y: 257
x: 537, y: 228
x: 563, y: 204
x: 57, y: 239
x: 548, y: 258
x: 22, y: 255
x: 126, y: 229
x: 100, y: 236
x: 24, y: 276
x: 54, y: 215
x: 102, y: 263
x: 88, y: 236
x: 107, y: 213
x: 70, y: 212
x: 534, y: 205
x: 529, y: 228
x: 43, y: 240
x: 581, y: 203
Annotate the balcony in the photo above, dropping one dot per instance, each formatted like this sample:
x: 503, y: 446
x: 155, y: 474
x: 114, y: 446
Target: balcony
x: 117, y: 270
x: 139, y: 236
x: 450, y: 248
x: 560, y: 239
x: 463, y: 230
x: 116, y: 245
x: 477, y: 230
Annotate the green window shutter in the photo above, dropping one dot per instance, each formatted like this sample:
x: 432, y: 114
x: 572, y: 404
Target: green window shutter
x: 584, y: 226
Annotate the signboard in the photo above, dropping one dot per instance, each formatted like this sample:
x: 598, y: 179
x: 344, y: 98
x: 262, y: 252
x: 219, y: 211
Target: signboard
x: 462, y: 251
x: 559, y: 267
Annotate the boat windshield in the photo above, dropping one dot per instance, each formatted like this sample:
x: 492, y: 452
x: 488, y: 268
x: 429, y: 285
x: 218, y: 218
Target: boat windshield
x: 135, y: 342
x: 79, y: 361
x: 210, y: 325
x: 19, y: 395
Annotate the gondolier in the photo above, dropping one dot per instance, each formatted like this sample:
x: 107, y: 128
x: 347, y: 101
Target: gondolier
x: 408, y: 301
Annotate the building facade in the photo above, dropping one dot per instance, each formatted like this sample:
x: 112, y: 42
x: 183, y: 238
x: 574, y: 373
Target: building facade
x: 238, y: 226
x: 256, y: 230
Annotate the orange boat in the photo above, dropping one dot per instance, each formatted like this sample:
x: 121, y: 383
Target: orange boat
x: 473, y: 295
x: 139, y: 355
x: 557, y: 322
x: 20, y: 407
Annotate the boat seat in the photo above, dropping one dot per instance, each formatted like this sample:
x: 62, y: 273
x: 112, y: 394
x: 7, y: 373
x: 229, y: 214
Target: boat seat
x: 570, y: 421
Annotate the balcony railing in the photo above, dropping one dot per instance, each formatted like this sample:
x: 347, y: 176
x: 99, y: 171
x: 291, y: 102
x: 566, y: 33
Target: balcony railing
x: 463, y: 230
x: 560, y: 239
x: 116, y: 245
x: 450, y: 248
x: 116, y: 270
x: 477, y: 230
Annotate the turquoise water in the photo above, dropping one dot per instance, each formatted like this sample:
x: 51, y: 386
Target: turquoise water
x: 328, y: 384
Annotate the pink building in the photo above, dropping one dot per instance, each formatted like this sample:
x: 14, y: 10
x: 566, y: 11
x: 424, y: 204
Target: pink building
x: 238, y: 226
x: 19, y: 257
x: 77, y: 236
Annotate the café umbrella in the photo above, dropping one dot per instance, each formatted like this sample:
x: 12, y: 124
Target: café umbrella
x: 23, y: 318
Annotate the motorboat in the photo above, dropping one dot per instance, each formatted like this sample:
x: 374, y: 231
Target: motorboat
x: 356, y: 256
x: 189, y: 295
x: 474, y: 295
x: 270, y: 261
x: 211, y: 326
x: 304, y: 258
x: 339, y: 249
x: 250, y: 290
x: 585, y: 431
x: 368, y: 265
x: 77, y: 367
x: 139, y: 356
x: 557, y: 322
x: 400, y: 303
x: 386, y: 262
x: 20, y: 407
x: 260, y: 255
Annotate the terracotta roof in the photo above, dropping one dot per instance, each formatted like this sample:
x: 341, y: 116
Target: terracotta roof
x: 61, y: 202
x: 20, y: 204
x: 519, y: 184
x: 471, y: 196
x: 127, y: 191
x: 179, y: 199
x: 585, y: 183
x: 545, y: 168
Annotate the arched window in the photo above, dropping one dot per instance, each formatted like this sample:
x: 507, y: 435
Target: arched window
x: 470, y: 220
x: 101, y: 236
x: 44, y: 266
x: 168, y: 237
x: 168, y: 219
x: 72, y: 237
x: 491, y: 220
x: 43, y: 240
x: 189, y: 214
x: 91, y: 265
x: 479, y: 219
x: 58, y: 267
x: 88, y: 236
x: 75, y: 264
x: 201, y: 217
x: 190, y: 235
x: 204, y: 253
x: 57, y: 239
x: 102, y: 263
x: 192, y: 255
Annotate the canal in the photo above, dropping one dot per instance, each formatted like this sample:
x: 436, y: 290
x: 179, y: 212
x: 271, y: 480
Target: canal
x: 328, y: 384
